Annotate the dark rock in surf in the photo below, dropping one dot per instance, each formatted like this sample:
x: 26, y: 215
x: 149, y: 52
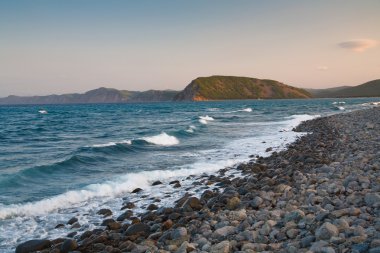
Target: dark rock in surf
x: 72, y: 221
x: 32, y: 246
x: 137, y: 190
x: 105, y: 212
x: 156, y: 183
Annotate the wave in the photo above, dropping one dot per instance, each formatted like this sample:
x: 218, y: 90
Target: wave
x: 110, y: 189
x: 371, y: 104
x: 338, y: 103
x: 190, y: 129
x: 205, y: 119
x: 248, y: 109
x: 162, y: 139
x: 109, y: 144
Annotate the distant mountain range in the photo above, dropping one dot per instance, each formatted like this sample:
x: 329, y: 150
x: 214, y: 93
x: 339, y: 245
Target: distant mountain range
x: 100, y: 95
x: 368, y: 89
x: 202, y: 89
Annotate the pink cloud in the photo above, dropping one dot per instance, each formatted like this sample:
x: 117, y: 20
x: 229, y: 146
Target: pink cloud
x: 358, y: 45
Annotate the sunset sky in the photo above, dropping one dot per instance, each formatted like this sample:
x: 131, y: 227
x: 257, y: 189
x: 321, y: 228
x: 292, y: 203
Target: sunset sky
x: 76, y: 45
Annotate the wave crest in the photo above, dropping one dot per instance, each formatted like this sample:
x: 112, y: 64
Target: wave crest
x: 205, y: 119
x: 162, y: 139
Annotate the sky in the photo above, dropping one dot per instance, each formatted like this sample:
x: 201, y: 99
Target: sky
x: 56, y: 47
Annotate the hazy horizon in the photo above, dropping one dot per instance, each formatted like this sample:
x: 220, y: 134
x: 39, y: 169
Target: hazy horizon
x: 59, y: 47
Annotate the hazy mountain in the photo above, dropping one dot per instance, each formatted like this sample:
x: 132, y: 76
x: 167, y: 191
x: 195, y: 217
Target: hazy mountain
x: 100, y: 95
x: 368, y: 89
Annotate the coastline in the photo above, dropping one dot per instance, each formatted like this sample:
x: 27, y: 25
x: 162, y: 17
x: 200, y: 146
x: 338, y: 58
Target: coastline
x: 312, y: 196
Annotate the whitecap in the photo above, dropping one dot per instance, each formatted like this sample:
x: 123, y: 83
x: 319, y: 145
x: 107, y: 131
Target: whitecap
x: 162, y: 139
x: 109, y: 144
x: 246, y: 110
x: 205, y: 119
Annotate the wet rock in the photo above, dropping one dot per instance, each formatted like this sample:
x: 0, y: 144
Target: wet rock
x: 76, y: 225
x: 177, y: 185
x: 174, y: 182
x: 128, y: 205
x: 59, y: 226
x: 127, y: 214
x: 72, y: 221
x: 138, y: 228
x: 68, y: 245
x: 113, y: 225
x: 152, y: 207
x: 33, y: 245
x: 137, y: 190
x: 192, y: 203
x: 105, y: 212
x: 156, y: 183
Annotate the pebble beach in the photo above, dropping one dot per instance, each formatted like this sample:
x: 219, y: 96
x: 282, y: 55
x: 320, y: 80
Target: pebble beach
x: 319, y: 195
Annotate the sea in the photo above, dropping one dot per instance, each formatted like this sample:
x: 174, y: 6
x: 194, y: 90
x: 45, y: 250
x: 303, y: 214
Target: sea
x: 64, y: 161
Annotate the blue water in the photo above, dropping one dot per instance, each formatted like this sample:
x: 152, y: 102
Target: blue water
x: 82, y: 156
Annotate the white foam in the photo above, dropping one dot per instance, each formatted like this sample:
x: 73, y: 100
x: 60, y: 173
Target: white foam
x: 43, y: 111
x: 109, y: 144
x: 205, y: 119
x: 111, y: 189
x: 247, y: 110
x: 163, y: 139
x: 340, y: 108
x: 371, y: 104
x: 338, y: 102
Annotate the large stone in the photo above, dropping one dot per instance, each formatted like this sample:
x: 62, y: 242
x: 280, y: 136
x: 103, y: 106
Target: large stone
x: 33, y: 245
x: 222, y: 247
x: 372, y: 199
x: 222, y: 233
x: 233, y: 203
x: 295, y: 216
x: 192, y: 203
x: 138, y: 228
x: 178, y: 233
x: 105, y: 212
x: 326, y: 231
x: 68, y: 245
x: 238, y: 215
x: 256, y: 202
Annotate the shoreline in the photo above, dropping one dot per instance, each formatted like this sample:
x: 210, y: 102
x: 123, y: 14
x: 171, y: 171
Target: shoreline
x: 285, y: 202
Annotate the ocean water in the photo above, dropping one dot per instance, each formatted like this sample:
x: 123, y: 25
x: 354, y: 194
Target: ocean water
x: 63, y: 161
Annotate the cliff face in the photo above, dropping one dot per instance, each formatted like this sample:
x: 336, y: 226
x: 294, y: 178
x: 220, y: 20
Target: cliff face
x: 368, y: 89
x: 231, y: 87
x: 101, y: 95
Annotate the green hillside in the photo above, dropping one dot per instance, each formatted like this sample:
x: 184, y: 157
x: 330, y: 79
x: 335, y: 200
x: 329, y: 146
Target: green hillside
x: 232, y: 87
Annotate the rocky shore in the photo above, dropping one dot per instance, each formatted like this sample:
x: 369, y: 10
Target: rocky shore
x: 320, y: 195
